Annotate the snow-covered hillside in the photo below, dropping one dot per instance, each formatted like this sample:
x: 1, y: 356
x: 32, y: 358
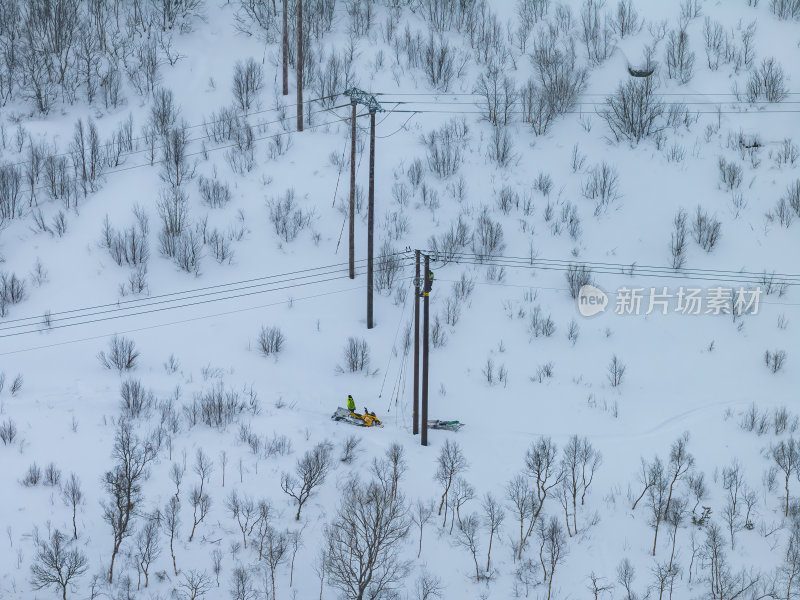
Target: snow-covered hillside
x: 177, y: 321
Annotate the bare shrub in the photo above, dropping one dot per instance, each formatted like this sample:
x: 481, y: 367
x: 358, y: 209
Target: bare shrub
x: 625, y: 20
x: 277, y: 445
x: 129, y: 246
x: 792, y: 196
x: 12, y: 291
x: 498, y: 95
x: 416, y: 172
x: 785, y: 9
x: 218, y: 407
x: 445, y: 147
x: 350, y: 449
x: 634, y: 112
x: 783, y: 213
x: 540, y: 325
x: 787, y: 154
x: 270, y: 340
x: 176, y: 165
x: 52, y: 475
x: 8, y: 432
x: 679, y: 57
x: 775, y: 360
x: 122, y: 354
x: 730, y: 174
x: 173, y: 208
x: 616, y: 371
x: 356, y: 355
x: 441, y: 61
x: 388, y: 265
x: 220, y: 244
x: 241, y: 156
x: 577, y: 277
x: 559, y: 80
x: 16, y: 385
x: 214, y: 193
x: 310, y: 472
x: 678, y: 239
x: 248, y: 80
x: 287, y: 218
x: 705, y: 229
x: 595, y: 32
x: 487, y: 239
x: 135, y: 401
x: 767, y: 83
x: 602, y: 186
x: 501, y: 147
x: 33, y: 476
x: 223, y: 126
x: 189, y: 251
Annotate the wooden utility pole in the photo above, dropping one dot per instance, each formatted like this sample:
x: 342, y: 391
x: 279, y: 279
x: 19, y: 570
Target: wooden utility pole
x: 417, y: 291
x: 425, y: 323
x: 285, y: 47
x: 371, y: 218
x: 361, y: 97
x: 299, y: 65
x: 353, y: 191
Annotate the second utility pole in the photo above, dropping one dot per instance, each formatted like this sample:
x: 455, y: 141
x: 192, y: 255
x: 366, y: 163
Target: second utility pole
x: 371, y: 216
x: 285, y: 44
x: 358, y: 96
x: 299, y: 65
x: 417, y: 292
x: 353, y: 191
x: 425, y: 322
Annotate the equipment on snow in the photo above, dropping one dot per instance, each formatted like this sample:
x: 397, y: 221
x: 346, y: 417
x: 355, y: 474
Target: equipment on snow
x: 367, y: 419
x: 448, y: 425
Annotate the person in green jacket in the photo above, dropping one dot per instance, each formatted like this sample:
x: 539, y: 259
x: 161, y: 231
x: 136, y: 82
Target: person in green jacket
x: 351, y: 404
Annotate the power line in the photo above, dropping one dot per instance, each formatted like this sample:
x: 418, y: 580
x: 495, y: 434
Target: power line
x: 633, y: 270
x: 676, y: 103
x: 577, y: 112
x: 176, y: 306
x: 472, y: 94
x: 190, y: 320
x: 563, y: 289
x: 625, y: 265
x: 178, y: 296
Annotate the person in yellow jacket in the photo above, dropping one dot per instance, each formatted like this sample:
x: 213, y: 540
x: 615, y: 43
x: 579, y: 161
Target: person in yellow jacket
x: 351, y: 404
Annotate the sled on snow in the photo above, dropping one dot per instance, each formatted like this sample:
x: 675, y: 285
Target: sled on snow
x: 448, y: 425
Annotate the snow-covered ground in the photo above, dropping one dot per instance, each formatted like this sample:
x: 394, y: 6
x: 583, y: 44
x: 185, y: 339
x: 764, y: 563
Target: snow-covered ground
x: 197, y: 329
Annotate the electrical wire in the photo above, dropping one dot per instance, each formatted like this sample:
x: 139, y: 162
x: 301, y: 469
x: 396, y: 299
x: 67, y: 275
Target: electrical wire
x: 184, y: 302
x: 717, y: 278
x: 394, y: 342
x: 473, y: 94
x: 177, y: 306
x: 537, y: 262
x: 190, y: 320
x: 183, y: 296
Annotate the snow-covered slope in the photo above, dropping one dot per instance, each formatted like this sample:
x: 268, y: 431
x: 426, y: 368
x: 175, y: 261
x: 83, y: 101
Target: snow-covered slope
x: 513, y: 382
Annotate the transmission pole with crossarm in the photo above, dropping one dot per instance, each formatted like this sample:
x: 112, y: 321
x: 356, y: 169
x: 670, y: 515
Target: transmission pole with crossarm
x: 358, y: 96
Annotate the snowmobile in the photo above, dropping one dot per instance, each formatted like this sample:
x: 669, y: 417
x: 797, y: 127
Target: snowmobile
x: 365, y: 419
x: 448, y: 425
